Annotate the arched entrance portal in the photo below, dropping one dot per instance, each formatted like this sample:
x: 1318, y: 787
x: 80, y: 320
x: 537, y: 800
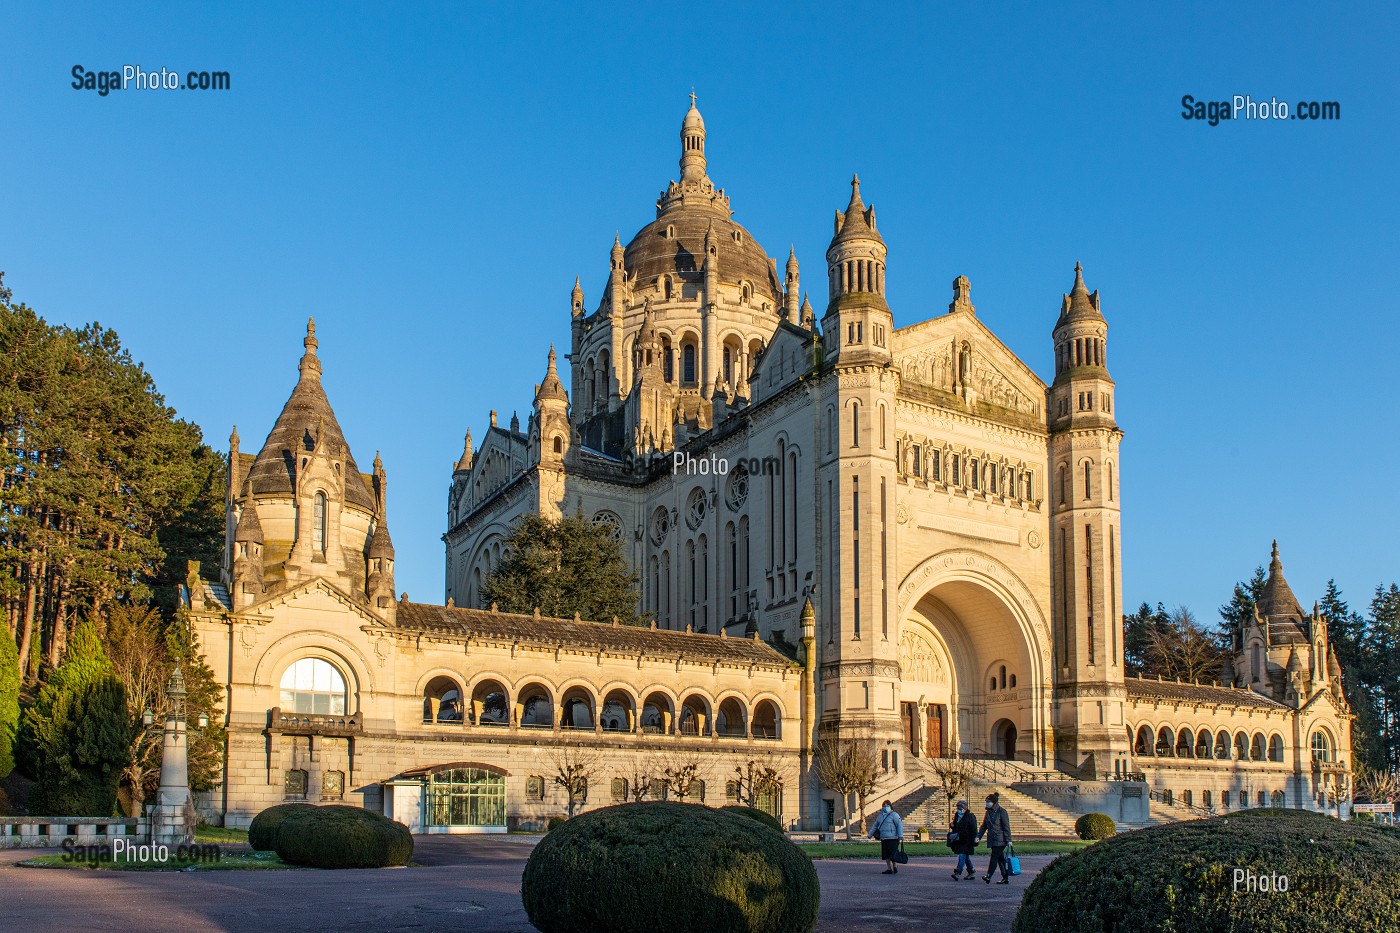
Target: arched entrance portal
x: 1004, y: 739
x: 973, y: 670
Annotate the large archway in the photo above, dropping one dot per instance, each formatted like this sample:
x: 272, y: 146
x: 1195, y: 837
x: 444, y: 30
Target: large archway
x: 974, y: 662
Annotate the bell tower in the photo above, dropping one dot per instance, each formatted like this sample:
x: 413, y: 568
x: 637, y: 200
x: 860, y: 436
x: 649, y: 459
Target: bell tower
x: 1085, y: 547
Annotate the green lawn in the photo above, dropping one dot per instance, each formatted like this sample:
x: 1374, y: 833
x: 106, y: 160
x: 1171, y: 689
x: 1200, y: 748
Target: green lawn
x: 241, y: 860
x: 916, y: 849
x: 206, y: 833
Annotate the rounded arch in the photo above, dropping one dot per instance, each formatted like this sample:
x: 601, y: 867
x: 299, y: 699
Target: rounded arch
x: 1241, y: 751
x: 1321, y: 744
x: 1203, y: 743
x: 1003, y: 739
x: 534, y: 705
x: 1276, y: 747
x: 443, y: 699
x: 767, y: 719
x: 577, y: 707
x: 618, y: 712
x: 696, y: 711
x: 983, y: 615
x: 658, y: 713
x: 1222, y: 744
x: 1185, y: 742
x: 731, y: 717
x: 1256, y: 747
x: 313, y: 685
x: 1165, y: 746
x: 1143, y: 743
x: 328, y: 646
x: 489, y: 702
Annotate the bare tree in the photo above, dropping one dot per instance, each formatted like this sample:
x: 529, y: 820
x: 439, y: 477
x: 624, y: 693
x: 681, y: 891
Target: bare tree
x: 573, y: 766
x: 1377, y: 786
x: 681, y: 772
x: 954, y: 775
x: 849, y: 766
x: 755, y: 779
x: 1185, y: 649
x: 643, y: 780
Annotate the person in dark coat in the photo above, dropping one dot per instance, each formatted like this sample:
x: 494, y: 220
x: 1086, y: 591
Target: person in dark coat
x: 963, y: 835
x: 996, y: 826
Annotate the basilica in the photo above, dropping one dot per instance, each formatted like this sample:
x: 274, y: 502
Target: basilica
x: 840, y: 527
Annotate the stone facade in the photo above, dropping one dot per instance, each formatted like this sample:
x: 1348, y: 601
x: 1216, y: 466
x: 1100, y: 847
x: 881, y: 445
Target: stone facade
x: 839, y: 526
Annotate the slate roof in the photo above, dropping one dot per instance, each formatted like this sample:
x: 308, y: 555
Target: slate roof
x: 629, y: 640
x: 1170, y: 690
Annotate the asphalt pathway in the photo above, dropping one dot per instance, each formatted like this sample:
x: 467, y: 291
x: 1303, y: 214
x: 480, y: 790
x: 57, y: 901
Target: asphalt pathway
x: 463, y: 883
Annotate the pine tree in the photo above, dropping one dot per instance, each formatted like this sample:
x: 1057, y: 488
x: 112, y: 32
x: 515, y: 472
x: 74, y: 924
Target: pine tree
x: 1381, y: 639
x: 39, y: 735
x: 9, y: 701
x: 561, y: 568
x: 83, y: 750
x: 1239, y: 610
x: 1140, y: 631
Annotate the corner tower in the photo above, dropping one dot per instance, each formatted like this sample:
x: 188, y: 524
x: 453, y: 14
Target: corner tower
x: 1086, y: 563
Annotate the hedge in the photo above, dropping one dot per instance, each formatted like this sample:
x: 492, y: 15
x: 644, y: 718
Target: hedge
x: 1194, y: 877
x: 342, y: 837
x: 755, y: 814
x: 1095, y: 826
x: 682, y: 868
x: 262, y: 832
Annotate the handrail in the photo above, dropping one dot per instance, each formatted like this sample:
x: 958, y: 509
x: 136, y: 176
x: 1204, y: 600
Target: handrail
x: 1172, y: 802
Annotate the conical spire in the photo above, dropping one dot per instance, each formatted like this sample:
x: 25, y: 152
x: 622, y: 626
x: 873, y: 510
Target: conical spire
x: 1277, y: 601
x: 792, y: 260
x: 576, y: 297
x: 857, y: 220
x: 249, y: 529
x: 551, y: 387
x: 310, y: 366
x: 465, y: 462
x: 1080, y: 304
x: 306, y: 421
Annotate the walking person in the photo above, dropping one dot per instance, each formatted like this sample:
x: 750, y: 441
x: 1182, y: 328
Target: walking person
x: 996, y: 826
x: 962, y: 835
x: 889, y: 829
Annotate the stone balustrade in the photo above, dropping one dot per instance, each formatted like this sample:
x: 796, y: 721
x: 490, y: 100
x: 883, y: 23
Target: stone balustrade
x: 38, y: 832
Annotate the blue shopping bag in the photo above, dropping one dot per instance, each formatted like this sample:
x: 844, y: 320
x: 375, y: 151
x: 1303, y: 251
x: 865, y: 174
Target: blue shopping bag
x: 1013, y: 861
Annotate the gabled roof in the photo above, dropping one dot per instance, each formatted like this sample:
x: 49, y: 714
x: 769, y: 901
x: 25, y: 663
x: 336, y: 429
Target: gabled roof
x: 1174, y: 691
x: 630, y: 640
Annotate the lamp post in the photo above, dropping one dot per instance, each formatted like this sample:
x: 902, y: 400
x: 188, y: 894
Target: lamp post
x: 169, y: 815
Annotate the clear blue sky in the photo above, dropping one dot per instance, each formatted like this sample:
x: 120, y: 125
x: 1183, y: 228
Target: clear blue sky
x: 427, y: 181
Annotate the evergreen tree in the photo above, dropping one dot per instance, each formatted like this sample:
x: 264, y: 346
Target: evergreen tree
x: 1382, y: 637
x: 86, y: 664
x: 1239, y: 610
x: 1349, y: 633
x: 9, y: 702
x: 99, y: 482
x: 83, y: 748
x: 1140, y: 630
x: 561, y: 568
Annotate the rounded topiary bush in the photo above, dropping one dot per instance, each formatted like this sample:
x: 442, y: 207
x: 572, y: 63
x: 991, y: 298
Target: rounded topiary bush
x: 1194, y: 877
x: 262, y: 832
x: 682, y: 868
x: 1095, y: 826
x: 342, y: 837
x: 755, y: 814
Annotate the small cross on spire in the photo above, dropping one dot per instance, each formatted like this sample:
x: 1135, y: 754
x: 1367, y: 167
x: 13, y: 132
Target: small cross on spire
x: 692, y: 96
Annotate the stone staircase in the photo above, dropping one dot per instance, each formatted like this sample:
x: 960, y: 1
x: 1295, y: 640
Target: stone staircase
x: 927, y: 806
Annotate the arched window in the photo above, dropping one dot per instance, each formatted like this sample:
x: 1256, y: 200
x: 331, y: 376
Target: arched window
x: 313, y: 686
x: 558, y: 444
x: 1086, y: 480
x: 688, y: 364
x: 318, y: 523
x: 766, y: 721
x: 1276, y: 799
x: 657, y: 714
x: 1183, y: 743
x: 729, y: 719
x: 1143, y: 745
x: 1063, y: 491
x: 855, y: 424
x: 1256, y: 747
x: 1321, y: 747
x: 1110, y: 482
x: 1003, y: 677
x: 882, y: 426
x: 1164, y: 742
x: 1275, y: 748
x: 489, y: 706
x: 1241, y: 747
x: 1222, y: 745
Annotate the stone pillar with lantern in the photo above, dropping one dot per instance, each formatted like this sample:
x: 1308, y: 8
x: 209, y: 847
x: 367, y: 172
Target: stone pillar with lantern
x: 172, y: 815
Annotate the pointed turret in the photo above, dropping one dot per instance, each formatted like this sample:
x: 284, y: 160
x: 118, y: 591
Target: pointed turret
x: 464, y: 464
x: 1082, y: 393
x: 1277, y: 602
x: 792, y: 289
x: 693, y: 145
x: 247, y: 575
x: 551, y: 388
x: 857, y: 321
x: 576, y: 297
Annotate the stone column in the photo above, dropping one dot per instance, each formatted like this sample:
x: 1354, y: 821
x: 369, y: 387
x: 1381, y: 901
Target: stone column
x: 170, y: 815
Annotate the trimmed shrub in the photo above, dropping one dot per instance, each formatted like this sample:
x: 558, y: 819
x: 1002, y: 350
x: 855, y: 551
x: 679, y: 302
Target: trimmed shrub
x: 262, y: 832
x: 1095, y: 826
x: 688, y: 869
x: 554, y: 823
x: 342, y: 837
x: 1193, y: 877
x: 755, y: 814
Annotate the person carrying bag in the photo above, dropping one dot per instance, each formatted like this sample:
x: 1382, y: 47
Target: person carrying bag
x: 889, y: 829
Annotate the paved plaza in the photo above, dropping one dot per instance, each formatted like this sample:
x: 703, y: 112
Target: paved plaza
x: 464, y: 883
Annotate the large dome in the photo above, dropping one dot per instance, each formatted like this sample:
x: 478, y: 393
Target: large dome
x: 675, y: 243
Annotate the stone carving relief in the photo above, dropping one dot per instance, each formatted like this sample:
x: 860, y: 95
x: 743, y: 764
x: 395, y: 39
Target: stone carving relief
x: 919, y: 660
